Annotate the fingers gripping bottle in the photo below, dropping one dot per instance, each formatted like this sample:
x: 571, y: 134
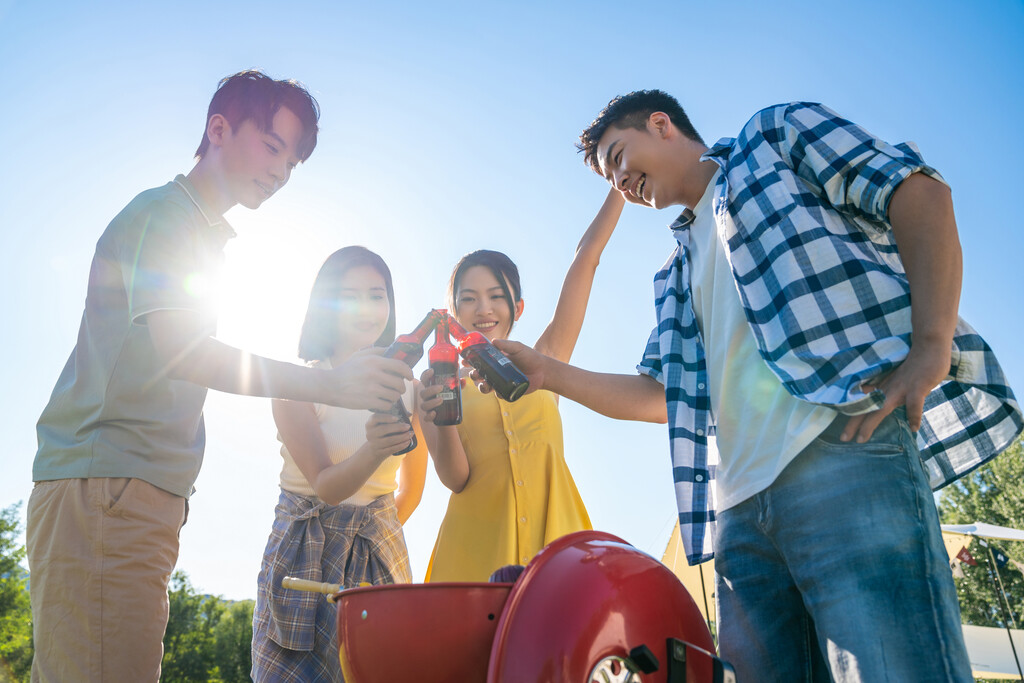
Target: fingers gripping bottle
x: 444, y: 361
x: 495, y: 367
x: 409, y: 349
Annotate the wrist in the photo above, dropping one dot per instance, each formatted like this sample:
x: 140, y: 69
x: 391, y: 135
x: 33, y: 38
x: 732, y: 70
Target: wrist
x: 933, y: 342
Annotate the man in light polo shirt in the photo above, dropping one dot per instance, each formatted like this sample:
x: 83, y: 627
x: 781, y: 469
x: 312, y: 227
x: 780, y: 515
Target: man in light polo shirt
x: 122, y: 438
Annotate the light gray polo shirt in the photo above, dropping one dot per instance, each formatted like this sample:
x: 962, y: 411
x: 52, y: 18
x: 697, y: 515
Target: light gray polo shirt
x: 114, y: 412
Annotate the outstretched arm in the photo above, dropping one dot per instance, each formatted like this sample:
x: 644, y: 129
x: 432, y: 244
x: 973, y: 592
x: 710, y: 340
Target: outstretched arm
x: 187, y: 352
x: 559, y: 338
x: 623, y: 397
x: 921, y: 215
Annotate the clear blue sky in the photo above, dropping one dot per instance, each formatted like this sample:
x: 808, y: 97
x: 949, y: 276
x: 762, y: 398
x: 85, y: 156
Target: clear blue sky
x: 449, y: 127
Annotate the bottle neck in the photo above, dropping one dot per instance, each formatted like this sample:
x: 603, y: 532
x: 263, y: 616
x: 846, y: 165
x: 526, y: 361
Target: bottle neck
x: 422, y: 330
x: 457, y: 330
x: 443, y: 350
x: 463, y: 337
x: 441, y: 335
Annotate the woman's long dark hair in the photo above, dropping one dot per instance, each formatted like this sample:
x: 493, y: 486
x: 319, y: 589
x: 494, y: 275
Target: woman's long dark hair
x: 320, y: 334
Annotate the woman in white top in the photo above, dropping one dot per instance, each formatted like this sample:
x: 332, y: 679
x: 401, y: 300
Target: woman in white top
x: 339, y: 518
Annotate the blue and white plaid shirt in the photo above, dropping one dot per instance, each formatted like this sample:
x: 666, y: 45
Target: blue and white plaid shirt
x: 802, y: 204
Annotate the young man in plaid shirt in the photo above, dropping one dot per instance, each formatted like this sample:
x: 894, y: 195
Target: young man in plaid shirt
x: 811, y: 408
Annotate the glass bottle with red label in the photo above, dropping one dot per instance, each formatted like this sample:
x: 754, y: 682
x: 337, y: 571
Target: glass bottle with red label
x: 409, y: 349
x: 495, y: 367
x: 444, y: 361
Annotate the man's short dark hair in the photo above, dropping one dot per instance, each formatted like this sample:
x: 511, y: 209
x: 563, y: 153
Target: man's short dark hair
x: 253, y: 95
x: 632, y: 111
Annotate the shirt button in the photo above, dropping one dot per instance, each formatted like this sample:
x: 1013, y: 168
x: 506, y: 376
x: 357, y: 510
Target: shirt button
x: 513, y: 451
x: 509, y: 432
x: 519, y: 483
x: 700, y: 432
x: 505, y: 413
x: 699, y: 477
x: 523, y: 520
x: 525, y: 559
x: 701, y: 385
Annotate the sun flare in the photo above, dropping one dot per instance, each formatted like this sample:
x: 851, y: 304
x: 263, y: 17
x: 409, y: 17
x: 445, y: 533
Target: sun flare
x: 263, y: 289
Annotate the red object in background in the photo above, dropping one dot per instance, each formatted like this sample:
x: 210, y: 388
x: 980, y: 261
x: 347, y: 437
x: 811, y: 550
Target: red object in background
x: 589, y: 607
x: 444, y: 361
x: 495, y: 367
x: 966, y: 557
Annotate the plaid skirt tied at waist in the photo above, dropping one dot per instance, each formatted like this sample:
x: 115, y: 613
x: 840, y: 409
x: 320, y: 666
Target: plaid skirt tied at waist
x: 343, y: 544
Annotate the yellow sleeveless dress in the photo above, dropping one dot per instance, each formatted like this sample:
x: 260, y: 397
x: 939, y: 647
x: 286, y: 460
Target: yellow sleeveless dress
x: 520, y: 495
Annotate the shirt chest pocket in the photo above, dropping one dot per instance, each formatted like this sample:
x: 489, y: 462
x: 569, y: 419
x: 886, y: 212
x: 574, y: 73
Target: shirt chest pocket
x: 762, y: 201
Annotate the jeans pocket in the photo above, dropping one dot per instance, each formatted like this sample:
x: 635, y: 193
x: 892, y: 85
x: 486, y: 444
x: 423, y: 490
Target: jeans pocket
x: 886, y: 441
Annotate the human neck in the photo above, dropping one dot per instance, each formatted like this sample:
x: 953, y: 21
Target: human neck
x: 695, y: 174
x: 209, y: 182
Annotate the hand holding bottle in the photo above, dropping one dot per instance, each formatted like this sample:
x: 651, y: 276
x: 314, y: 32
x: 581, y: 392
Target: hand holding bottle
x: 429, y: 396
x: 531, y: 363
x: 444, y: 366
x: 367, y: 381
x: 500, y: 372
x: 387, y: 435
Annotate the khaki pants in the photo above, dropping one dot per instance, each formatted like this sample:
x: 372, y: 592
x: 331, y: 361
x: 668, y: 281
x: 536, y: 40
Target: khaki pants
x: 101, y: 553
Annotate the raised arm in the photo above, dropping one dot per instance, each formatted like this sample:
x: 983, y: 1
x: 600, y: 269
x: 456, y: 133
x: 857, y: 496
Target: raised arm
x: 335, y: 482
x: 559, y: 338
x: 365, y: 381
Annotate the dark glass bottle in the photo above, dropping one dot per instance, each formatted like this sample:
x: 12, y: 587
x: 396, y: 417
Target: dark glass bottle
x: 444, y: 361
x: 409, y: 349
x: 399, y: 410
x: 495, y: 367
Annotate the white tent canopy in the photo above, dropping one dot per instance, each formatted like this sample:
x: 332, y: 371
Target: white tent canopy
x: 1001, y: 533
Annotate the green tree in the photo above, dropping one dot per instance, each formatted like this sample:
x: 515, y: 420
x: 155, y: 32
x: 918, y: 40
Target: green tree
x: 15, y: 610
x: 233, y: 643
x: 208, y: 639
x: 189, y: 643
x: 994, y: 494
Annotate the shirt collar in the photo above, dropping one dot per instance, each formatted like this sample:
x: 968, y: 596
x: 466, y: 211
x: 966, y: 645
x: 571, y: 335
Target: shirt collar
x: 719, y: 150
x: 217, y: 223
x: 680, y: 227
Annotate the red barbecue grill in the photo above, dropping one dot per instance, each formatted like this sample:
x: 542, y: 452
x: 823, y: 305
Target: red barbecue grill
x: 589, y: 608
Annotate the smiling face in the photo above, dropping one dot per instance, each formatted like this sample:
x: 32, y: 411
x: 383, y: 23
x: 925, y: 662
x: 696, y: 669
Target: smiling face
x: 643, y: 164
x: 481, y: 305
x: 257, y: 163
x: 363, y: 308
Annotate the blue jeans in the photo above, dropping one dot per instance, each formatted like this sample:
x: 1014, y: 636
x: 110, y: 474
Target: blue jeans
x: 838, y: 569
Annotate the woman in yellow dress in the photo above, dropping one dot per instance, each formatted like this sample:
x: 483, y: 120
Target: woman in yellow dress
x: 512, y: 492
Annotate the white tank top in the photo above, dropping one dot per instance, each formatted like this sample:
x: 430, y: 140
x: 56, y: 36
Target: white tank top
x: 344, y: 432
